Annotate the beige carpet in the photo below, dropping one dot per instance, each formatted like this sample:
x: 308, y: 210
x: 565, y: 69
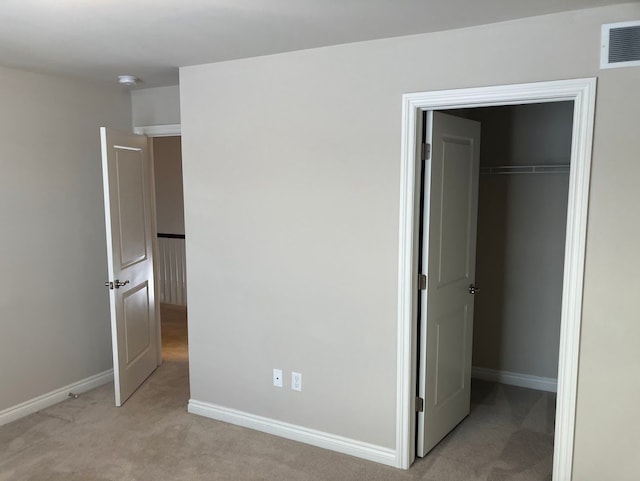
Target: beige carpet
x: 508, y: 436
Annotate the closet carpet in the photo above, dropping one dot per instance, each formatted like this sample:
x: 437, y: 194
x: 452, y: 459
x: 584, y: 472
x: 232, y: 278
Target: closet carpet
x: 508, y: 436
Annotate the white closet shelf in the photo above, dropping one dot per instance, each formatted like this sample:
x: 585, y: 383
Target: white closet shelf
x: 526, y: 169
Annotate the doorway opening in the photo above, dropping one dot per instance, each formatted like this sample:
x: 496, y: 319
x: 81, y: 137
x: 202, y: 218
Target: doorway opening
x: 514, y: 309
x: 171, y: 261
x: 581, y: 93
x: 146, y: 265
x: 171, y: 279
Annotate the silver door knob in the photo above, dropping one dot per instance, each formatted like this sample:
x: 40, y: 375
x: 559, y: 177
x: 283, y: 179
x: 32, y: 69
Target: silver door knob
x: 118, y: 284
x: 473, y: 289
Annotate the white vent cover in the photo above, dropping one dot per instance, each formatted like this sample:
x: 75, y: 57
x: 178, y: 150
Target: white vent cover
x: 620, y: 45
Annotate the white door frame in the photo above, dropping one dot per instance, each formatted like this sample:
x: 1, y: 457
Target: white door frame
x: 168, y: 130
x: 582, y: 92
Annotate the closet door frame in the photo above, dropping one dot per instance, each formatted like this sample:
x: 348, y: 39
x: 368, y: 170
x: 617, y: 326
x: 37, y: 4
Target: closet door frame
x: 582, y: 92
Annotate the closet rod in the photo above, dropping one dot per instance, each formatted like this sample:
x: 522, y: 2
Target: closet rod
x: 526, y: 169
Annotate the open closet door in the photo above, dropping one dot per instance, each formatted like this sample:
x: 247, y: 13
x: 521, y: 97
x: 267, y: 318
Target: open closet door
x: 126, y: 171
x: 448, y: 260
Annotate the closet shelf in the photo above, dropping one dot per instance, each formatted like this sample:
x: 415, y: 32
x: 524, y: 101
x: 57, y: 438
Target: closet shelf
x: 526, y: 169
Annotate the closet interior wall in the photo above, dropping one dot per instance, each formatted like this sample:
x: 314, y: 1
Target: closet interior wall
x: 521, y: 236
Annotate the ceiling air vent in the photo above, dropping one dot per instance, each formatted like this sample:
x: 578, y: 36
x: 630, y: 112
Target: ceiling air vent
x: 620, y: 45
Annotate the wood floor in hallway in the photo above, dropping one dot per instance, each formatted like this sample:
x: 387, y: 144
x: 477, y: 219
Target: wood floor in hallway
x: 174, y: 333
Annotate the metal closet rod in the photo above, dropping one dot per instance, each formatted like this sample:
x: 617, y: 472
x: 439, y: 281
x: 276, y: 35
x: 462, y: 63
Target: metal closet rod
x: 526, y: 169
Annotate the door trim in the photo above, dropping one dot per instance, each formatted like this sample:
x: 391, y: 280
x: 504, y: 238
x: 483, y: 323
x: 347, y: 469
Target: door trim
x: 168, y: 130
x: 582, y: 92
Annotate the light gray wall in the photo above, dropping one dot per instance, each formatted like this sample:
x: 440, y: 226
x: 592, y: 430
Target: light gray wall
x: 291, y: 172
x: 55, y: 312
x: 167, y: 163
x: 155, y: 106
x: 608, y: 391
x: 521, y: 239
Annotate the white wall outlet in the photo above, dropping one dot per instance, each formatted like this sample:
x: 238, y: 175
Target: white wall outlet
x: 277, y: 377
x: 296, y: 381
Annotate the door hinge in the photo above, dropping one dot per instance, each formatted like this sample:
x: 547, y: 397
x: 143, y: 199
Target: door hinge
x: 422, y: 282
x: 425, y: 152
x: 419, y: 405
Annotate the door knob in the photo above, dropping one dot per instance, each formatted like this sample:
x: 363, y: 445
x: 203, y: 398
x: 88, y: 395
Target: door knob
x: 118, y: 284
x: 473, y: 289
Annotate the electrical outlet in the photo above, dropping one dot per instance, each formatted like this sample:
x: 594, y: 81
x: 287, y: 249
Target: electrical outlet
x: 296, y: 381
x: 277, y: 377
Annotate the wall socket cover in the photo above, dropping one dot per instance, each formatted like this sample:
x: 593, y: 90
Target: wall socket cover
x: 277, y: 377
x: 296, y: 381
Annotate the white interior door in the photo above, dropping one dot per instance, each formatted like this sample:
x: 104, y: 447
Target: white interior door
x: 448, y: 260
x: 126, y: 170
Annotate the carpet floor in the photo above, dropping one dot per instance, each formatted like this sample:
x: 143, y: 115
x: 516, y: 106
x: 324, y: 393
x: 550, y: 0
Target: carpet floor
x: 507, y: 436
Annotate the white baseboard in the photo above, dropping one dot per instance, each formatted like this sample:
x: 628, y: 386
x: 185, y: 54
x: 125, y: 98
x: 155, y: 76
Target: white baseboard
x: 516, y: 379
x: 54, y: 397
x: 320, y: 439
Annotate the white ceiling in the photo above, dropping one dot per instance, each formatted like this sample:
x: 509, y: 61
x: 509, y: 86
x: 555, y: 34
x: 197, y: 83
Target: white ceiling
x: 100, y: 39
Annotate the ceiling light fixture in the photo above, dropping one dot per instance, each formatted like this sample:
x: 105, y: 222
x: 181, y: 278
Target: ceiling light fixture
x: 128, y: 80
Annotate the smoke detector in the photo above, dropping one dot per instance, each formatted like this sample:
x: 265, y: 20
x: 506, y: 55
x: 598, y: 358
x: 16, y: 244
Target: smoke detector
x: 128, y: 80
